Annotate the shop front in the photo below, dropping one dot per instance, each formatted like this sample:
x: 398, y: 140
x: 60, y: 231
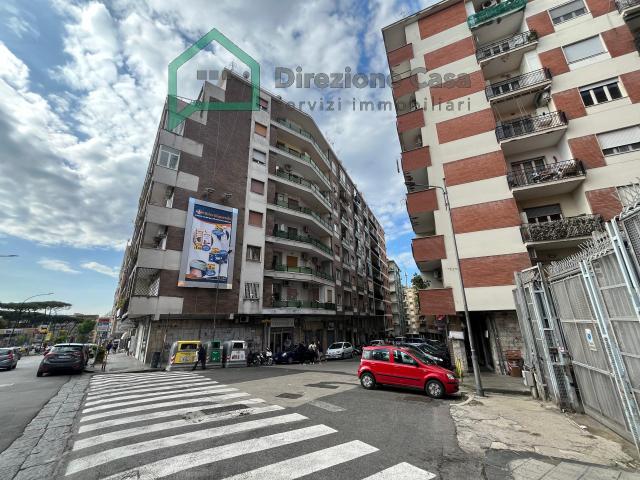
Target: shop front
x: 281, y: 334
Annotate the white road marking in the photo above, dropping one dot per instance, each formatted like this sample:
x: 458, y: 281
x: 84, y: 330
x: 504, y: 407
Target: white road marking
x: 92, y: 396
x: 106, y: 379
x: 7, y: 385
x: 175, y: 403
x: 148, y: 381
x: 206, y: 391
x: 184, y: 388
x: 178, y: 463
x: 403, y: 471
x: 326, y: 406
x: 164, y: 426
x: 312, y: 462
x: 106, y: 456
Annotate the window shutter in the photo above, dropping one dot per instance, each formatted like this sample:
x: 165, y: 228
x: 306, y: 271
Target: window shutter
x: 599, y: 84
x: 617, y: 138
x: 566, y: 8
x: 583, y: 49
x: 261, y: 129
x: 257, y: 186
x: 255, y: 218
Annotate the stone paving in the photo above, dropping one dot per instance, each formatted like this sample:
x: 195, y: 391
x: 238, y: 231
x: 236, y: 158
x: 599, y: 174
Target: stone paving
x: 36, y: 453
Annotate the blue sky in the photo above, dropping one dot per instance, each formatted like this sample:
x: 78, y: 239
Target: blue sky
x: 82, y: 86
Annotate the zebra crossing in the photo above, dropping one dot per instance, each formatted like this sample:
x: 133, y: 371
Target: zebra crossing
x: 185, y: 425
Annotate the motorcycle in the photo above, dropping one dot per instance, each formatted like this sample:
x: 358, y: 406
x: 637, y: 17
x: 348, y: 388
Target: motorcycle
x: 254, y: 359
x: 267, y: 357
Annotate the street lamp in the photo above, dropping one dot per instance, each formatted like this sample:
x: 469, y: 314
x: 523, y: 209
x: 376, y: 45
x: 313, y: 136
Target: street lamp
x: 474, y: 356
x: 20, y: 315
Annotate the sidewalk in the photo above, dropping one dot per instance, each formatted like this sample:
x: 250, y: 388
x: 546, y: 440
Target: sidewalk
x: 492, y: 383
x: 120, y: 363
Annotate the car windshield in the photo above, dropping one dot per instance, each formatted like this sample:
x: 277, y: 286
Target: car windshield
x: 335, y: 346
x: 416, y: 352
x: 66, y: 348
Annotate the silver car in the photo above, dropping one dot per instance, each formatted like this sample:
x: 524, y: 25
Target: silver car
x: 8, y: 358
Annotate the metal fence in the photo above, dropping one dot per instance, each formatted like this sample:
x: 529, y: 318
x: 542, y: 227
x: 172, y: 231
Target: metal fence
x: 581, y: 325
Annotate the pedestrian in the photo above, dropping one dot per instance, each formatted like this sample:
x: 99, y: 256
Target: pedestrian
x: 104, y: 360
x: 312, y: 353
x: 202, y: 357
x: 109, y: 345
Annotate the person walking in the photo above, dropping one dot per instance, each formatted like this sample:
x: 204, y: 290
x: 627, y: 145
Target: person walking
x: 202, y: 358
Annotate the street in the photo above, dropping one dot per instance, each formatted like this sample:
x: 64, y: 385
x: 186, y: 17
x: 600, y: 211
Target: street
x: 22, y: 395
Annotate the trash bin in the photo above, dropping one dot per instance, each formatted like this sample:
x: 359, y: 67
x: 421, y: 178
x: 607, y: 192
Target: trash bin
x: 215, y: 353
x: 155, y: 360
x: 514, y: 362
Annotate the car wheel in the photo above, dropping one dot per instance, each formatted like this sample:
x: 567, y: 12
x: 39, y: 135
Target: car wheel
x: 367, y: 381
x: 290, y: 360
x: 434, y: 389
x: 39, y: 374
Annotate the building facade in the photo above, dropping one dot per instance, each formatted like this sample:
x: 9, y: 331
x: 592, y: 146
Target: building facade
x: 309, y: 258
x: 528, y: 113
x: 396, y: 297
x: 411, y: 311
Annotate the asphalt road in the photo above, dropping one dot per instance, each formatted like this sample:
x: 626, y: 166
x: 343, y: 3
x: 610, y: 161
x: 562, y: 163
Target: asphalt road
x: 22, y: 395
x: 268, y: 422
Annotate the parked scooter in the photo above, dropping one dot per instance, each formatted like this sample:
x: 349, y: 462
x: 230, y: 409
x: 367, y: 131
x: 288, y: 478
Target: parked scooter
x: 267, y: 357
x: 254, y: 359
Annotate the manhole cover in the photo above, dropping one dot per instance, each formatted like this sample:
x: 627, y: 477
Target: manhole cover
x: 289, y: 395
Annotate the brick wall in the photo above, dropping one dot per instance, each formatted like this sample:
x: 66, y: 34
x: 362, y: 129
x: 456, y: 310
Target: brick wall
x: 428, y: 248
x: 436, y: 301
x: 588, y: 150
x: 570, y: 102
x: 619, y: 41
x: 410, y: 120
x: 554, y: 60
x: 457, y: 88
x: 417, y: 158
x: 420, y: 202
x: 600, y: 7
x: 405, y: 86
x: 466, y: 126
x: 442, y: 20
x: 541, y: 23
x: 486, y: 216
x: 450, y: 53
x: 479, y: 167
x: 494, y: 270
x: 604, y: 201
x: 631, y: 82
x: 401, y: 54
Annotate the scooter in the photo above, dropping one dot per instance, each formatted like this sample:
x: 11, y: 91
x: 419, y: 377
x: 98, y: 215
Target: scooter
x: 267, y: 357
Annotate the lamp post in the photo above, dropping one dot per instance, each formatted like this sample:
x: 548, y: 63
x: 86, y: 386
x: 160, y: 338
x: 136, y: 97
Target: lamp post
x: 474, y: 356
x: 20, y: 314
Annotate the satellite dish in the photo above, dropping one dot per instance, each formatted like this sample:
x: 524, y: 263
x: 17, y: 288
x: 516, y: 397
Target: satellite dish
x: 246, y: 75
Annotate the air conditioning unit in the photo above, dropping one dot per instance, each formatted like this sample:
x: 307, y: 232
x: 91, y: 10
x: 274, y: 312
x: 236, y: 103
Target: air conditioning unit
x: 243, y: 320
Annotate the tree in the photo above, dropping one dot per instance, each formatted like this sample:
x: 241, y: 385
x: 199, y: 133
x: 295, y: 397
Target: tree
x: 85, y: 328
x: 418, y: 282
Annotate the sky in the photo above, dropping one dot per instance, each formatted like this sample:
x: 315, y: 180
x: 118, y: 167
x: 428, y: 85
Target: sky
x: 82, y: 85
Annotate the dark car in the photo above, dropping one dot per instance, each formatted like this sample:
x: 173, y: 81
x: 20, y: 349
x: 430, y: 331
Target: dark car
x: 64, y: 356
x: 298, y: 354
x: 437, y: 356
x: 8, y: 358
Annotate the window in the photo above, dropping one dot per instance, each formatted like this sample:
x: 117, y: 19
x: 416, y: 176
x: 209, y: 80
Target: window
x: 257, y: 186
x: 178, y: 130
x: 620, y: 141
x: 251, y: 291
x: 601, y: 92
x: 404, y: 358
x: 255, y: 218
x: 260, y: 129
x: 168, y: 157
x: 259, y: 157
x: 546, y: 213
x: 264, y: 104
x: 589, y: 47
x: 253, y: 253
x: 381, y: 355
x: 567, y: 11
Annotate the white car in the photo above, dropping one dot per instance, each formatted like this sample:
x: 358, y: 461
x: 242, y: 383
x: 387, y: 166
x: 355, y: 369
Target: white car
x: 340, y: 350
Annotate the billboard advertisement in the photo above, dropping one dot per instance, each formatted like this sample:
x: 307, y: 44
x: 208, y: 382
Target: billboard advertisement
x: 207, y: 252
x: 103, y: 325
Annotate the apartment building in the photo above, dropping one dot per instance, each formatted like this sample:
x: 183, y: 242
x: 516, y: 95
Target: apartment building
x: 411, y: 311
x: 249, y: 227
x: 528, y: 113
x: 396, y: 298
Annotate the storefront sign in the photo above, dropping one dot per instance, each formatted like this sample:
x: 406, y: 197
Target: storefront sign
x: 282, y: 323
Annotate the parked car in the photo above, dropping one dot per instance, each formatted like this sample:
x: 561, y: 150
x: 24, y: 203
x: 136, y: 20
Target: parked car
x: 373, y: 343
x: 298, y: 354
x: 64, y: 356
x: 8, y: 358
x: 405, y: 367
x: 339, y: 350
x: 429, y: 354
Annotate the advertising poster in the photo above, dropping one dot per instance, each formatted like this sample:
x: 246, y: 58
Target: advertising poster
x: 209, y: 239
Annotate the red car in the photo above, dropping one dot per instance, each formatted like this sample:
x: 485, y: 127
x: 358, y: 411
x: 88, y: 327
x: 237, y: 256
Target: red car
x: 404, y: 367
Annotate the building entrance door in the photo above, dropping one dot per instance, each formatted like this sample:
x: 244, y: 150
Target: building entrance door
x: 281, y: 340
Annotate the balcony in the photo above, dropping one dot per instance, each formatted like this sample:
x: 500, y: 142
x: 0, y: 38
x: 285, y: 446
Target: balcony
x: 404, y: 83
x: 400, y: 55
x: 303, y: 160
x: 305, y: 135
x: 302, y: 304
x: 553, y: 179
x: 303, y: 239
x: 420, y: 205
x: 298, y: 273
x: 630, y: 11
x: 298, y: 212
x: 517, y: 92
x: 302, y: 184
x: 411, y: 120
x: 531, y: 133
x: 428, y: 251
x: 504, y: 19
x: 565, y: 233
x: 505, y: 55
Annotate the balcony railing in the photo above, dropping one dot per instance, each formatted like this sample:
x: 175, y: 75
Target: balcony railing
x: 526, y: 125
x: 302, y: 238
x: 548, y: 173
x: 306, y: 270
x: 491, y: 13
x: 305, y: 134
x: 303, y: 182
x: 624, y: 4
x: 563, y: 229
x: 506, y: 44
x: 304, y: 304
x: 305, y: 158
x: 305, y: 210
x: 517, y: 83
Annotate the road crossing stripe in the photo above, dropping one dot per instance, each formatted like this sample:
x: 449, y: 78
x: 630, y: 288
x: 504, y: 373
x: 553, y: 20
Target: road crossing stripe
x: 130, y: 395
x: 163, y: 414
x: 307, y: 464
x: 92, y: 396
x: 147, y: 384
x: 106, y: 379
x: 172, y: 465
x: 152, y: 398
x: 175, y: 403
x: 164, y: 426
x: 118, y: 453
x: 139, y: 381
x: 404, y: 471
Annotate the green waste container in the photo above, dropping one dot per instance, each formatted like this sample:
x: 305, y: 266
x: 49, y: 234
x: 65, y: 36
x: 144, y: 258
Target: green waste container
x: 215, y: 353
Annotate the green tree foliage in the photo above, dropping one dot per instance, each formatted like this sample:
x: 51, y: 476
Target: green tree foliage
x: 418, y: 282
x: 85, y: 328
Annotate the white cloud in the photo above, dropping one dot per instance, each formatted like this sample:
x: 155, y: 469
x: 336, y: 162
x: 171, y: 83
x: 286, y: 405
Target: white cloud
x: 19, y: 22
x: 100, y: 268
x: 56, y: 265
